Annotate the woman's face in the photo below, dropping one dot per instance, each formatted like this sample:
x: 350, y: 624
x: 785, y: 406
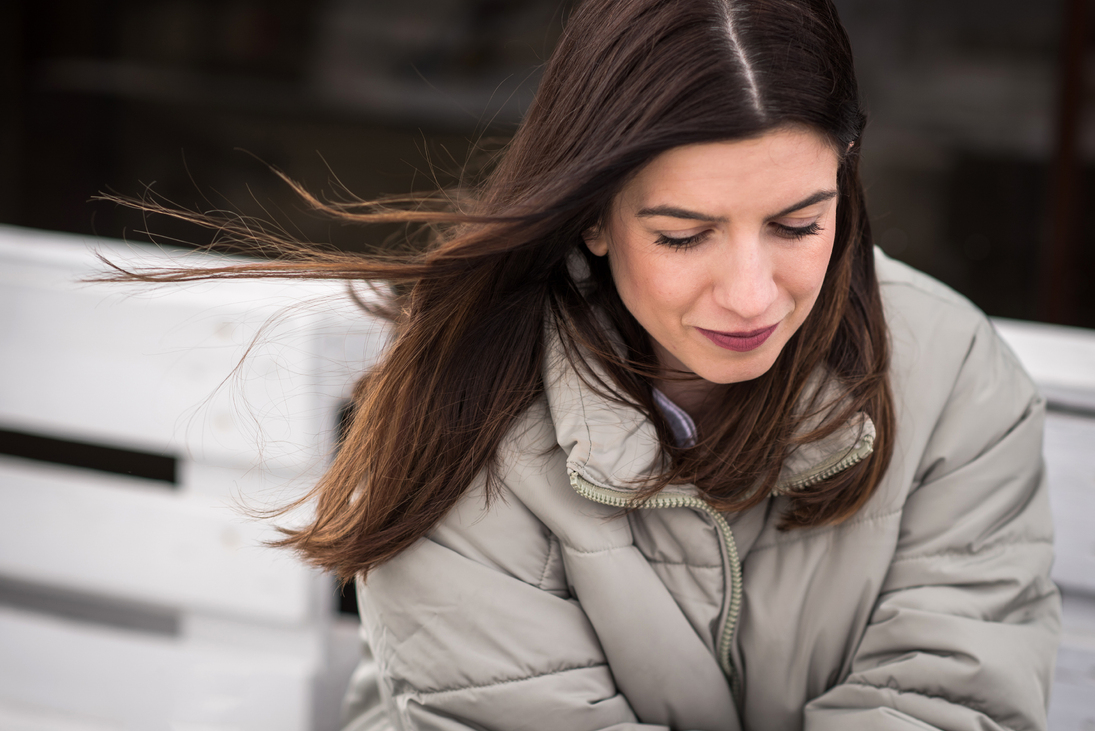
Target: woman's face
x: 719, y: 250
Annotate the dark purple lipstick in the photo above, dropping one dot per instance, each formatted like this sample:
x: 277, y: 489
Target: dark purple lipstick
x: 740, y: 342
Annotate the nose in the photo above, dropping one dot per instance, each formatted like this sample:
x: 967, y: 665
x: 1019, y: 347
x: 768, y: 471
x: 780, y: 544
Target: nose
x: 745, y: 280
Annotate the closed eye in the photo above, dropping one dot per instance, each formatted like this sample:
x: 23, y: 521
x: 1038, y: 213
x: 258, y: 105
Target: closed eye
x: 797, y: 232
x: 681, y: 242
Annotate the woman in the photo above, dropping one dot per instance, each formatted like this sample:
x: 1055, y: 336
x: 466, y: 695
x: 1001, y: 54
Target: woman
x: 662, y: 442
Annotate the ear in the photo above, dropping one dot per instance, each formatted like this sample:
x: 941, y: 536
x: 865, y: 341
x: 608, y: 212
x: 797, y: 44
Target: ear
x: 596, y: 241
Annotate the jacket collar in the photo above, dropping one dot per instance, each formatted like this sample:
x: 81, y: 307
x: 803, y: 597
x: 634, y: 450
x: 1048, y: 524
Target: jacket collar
x: 615, y: 446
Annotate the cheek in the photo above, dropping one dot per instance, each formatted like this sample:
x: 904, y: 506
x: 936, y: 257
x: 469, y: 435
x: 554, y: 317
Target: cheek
x: 651, y: 284
x: 805, y: 270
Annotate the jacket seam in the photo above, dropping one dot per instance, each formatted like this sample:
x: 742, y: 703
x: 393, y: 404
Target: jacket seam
x: 585, y: 422
x: 506, y: 681
x: 831, y: 528
x: 719, y: 567
x: 595, y: 552
x: 994, y: 545
x: 552, y: 542
x: 971, y: 705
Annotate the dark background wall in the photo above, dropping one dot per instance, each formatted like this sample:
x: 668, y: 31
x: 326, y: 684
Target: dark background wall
x: 973, y: 171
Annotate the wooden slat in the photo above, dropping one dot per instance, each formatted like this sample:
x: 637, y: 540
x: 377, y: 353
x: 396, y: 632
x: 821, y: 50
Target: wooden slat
x: 108, y: 535
x: 1070, y: 462
x: 1072, y: 703
x: 135, y: 366
x: 1061, y: 360
x: 146, y: 683
x: 19, y: 716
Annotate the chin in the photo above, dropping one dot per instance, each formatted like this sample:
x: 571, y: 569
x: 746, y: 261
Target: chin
x: 740, y: 372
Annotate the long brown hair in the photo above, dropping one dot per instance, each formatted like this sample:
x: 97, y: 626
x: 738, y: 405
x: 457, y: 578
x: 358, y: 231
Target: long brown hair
x: 629, y: 79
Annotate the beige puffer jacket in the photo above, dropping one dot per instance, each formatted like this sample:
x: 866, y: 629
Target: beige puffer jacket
x: 931, y: 608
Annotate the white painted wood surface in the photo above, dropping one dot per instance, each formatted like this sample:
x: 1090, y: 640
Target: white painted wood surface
x: 242, y: 634
x: 138, y: 681
x: 1072, y: 705
x: 154, y: 367
x: 101, y: 533
x: 1062, y: 362
x: 1070, y: 464
x: 253, y: 647
x: 1060, y: 359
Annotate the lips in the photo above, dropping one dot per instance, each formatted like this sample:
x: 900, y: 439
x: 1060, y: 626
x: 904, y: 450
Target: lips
x: 740, y: 342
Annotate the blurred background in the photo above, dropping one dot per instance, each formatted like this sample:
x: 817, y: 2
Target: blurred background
x: 979, y: 158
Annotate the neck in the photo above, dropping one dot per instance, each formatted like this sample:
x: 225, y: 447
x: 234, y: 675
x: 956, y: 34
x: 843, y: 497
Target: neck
x: 694, y: 396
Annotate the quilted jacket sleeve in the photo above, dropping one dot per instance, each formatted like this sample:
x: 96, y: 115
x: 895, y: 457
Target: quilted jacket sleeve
x: 474, y: 628
x: 964, y: 633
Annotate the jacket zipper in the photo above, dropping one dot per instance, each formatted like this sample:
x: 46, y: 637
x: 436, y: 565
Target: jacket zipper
x: 829, y: 467
x: 625, y: 499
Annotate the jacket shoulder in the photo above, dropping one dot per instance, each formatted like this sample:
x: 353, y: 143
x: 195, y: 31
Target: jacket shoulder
x: 958, y: 389
x: 933, y: 326
x: 899, y: 282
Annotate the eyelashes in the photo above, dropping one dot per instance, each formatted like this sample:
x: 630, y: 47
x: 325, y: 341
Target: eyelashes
x: 793, y: 233
x: 681, y: 243
x: 797, y: 232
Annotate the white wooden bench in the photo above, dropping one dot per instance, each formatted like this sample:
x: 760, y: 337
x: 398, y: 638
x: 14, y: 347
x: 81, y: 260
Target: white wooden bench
x: 1062, y: 362
x: 147, y: 601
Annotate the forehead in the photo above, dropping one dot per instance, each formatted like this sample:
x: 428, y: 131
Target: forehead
x: 765, y: 173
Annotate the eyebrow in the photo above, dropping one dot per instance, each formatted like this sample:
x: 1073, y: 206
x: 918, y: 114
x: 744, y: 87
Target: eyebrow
x: 674, y: 212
